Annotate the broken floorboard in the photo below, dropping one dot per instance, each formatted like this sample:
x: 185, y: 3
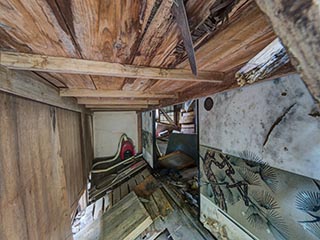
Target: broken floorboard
x: 125, y: 220
x: 169, y: 215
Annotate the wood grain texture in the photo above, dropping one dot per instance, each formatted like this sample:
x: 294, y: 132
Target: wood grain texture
x: 110, y: 31
x: 139, y: 33
x: 228, y: 50
x: 105, y: 106
x: 40, y: 169
x: 111, y: 101
x: 38, y: 27
x: 297, y: 23
x: 128, y: 225
x: 111, y: 93
x: 159, y: 42
x: 29, y: 85
x: 71, y: 151
x: 43, y: 63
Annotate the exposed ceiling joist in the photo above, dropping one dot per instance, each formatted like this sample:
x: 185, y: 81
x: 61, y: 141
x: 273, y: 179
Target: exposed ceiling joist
x: 112, y: 94
x: 181, y: 18
x: 115, y: 110
x: 271, y: 58
x: 43, y: 63
x: 116, y: 107
x: 103, y: 101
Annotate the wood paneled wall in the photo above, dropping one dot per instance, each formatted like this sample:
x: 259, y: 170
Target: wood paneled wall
x: 42, y: 168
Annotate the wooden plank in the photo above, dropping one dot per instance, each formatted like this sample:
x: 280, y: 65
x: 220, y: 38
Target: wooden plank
x: 114, y: 110
x: 158, y: 45
x: 162, y: 202
x: 108, y: 31
x: 132, y: 183
x: 124, y: 189
x: 116, y: 195
x: 152, y: 208
x: 101, y: 101
x: 98, y: 208
x: 30, y: 165
x: 116, y: 106
x: 181, y: 18
x: 110, y: 196
x: 138, y: 178
x: 39, y: 27
x: 271, y: 58
x: 29, y: 85
x: 297, y: 23
x: 227, y: 50
x: 128, y: 225
x: 111, y: 94
x: 145, y: 173
x: 146, y: 187
x: 43, y: 63
x: 74, y: 165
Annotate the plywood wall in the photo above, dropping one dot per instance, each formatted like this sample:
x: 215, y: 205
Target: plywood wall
x: 42, y: 170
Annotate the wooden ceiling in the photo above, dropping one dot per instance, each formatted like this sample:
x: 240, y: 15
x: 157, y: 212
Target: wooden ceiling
x: 226, y: 35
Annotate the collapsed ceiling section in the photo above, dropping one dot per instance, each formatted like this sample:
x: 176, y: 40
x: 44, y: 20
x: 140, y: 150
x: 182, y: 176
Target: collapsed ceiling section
x: 226, y: 34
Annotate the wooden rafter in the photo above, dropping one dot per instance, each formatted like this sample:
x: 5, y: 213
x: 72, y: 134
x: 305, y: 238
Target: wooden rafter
x: 117, y: 102
x: 271, y: 58
x: 31, y: 86
x: 43, y: 63
x: 112, y: 94
x: 181, y: 18
x: 103, y: 101
x: 105, y: 106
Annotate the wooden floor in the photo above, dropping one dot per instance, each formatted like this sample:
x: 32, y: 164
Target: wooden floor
x: 170, y: 219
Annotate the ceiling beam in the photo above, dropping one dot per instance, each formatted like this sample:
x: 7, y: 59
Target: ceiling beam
x: 103, y: 101
x: 112, y: 94
x: 179, y: 12
x: 43, y: 63
x: 31, y: 86
x: 116, y: 106
x: 115, y: 110
x: 271, y: 58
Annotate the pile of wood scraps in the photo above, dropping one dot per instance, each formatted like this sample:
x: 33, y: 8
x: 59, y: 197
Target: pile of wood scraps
x: 142, y: 208
x: 187, y: 122
x: 125, y: 220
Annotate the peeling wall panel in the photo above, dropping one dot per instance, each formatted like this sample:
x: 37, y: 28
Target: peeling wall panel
x: 270, y: 119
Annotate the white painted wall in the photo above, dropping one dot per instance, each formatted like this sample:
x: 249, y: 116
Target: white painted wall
x: 109, y: 126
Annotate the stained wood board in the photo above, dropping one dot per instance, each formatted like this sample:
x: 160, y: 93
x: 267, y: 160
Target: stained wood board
x: 31, y: 86
x: 34, y: 194
x: 147, y: 186
x: 126, y: 220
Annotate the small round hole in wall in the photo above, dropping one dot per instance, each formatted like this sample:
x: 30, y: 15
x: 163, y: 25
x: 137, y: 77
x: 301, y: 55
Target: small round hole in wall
x: 284, y: 94
x: 208, y: 103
